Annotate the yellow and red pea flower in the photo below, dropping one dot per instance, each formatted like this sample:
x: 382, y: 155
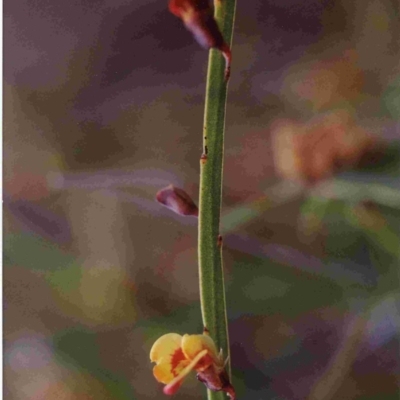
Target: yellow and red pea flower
x: 176, y: 356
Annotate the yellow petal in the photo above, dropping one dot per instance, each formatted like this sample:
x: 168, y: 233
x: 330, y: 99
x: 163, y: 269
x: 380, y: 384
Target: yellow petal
x: 192, y: 345
x: 165, y: 346
x: 168, y: 355
x: 165, y: 372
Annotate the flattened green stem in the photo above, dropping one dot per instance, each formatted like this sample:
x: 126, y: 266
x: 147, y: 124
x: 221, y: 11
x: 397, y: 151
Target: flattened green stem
x: 212, y: 289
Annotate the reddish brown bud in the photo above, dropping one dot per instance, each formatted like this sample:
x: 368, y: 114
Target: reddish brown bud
x: 197, y: 15
x: 177, y: 200
x: 217, y: 381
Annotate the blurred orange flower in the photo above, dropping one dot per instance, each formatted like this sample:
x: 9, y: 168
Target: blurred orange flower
x: 331, y: 82
x: 176, y: 356
x: 317, y: 149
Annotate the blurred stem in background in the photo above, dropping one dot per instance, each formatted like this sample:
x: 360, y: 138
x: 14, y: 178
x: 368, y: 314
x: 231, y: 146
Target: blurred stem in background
x: 212, y: 290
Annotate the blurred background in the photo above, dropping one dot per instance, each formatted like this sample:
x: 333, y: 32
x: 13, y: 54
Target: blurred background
x: 103, y: 107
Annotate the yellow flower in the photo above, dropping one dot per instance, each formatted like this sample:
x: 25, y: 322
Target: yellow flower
x: 176, y: 356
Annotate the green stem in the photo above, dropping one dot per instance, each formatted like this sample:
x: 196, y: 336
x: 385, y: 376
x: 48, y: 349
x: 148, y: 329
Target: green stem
x: 212, y: 290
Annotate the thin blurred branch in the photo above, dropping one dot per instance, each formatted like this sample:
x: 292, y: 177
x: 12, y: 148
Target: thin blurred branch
x: 341, y: 362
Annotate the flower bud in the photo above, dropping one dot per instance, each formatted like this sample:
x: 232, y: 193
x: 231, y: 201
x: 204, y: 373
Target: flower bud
x: 177, y: 200
x: 197, y: 15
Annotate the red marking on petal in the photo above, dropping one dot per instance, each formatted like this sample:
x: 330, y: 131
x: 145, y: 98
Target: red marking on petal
x: 204, y: 363
x: 176, y: 361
